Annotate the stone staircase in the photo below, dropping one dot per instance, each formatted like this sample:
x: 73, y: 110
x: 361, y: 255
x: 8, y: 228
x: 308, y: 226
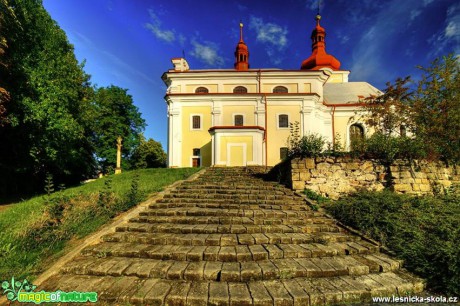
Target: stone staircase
x: 231, y: 238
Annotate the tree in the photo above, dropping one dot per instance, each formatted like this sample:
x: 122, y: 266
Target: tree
x: 391, y: 111
x: 48, y: 91
x: 7, y: 19
x: 149, y: 154
x: 115, y: 116
x: 430, y: 114
x: 436, y: 107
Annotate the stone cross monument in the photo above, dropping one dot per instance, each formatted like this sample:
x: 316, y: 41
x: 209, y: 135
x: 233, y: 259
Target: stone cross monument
x: 118, y: 168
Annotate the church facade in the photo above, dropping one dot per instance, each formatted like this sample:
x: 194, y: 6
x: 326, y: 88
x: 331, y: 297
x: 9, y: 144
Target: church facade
x: 242, y: 116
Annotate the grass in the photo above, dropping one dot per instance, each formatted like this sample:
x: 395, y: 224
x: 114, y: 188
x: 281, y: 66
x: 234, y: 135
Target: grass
x: 35, y: 232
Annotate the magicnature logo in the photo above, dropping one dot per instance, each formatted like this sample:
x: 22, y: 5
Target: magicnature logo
x: 24, y: 292
x: 12, y: 290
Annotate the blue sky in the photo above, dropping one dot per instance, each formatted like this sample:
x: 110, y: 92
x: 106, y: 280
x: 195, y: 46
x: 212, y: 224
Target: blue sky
x: 129, y: 43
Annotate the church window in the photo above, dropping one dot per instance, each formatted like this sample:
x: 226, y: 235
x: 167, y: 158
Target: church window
x: 240, y: 89
x: 283, y: 121
x: 356, y: 136
x: 283, y: 153
x: 238, y: 120
x: 201, y: 90
x: 402, y: 130
x: 196, y: 152
x: 196, y: 122
x: 280, y: 89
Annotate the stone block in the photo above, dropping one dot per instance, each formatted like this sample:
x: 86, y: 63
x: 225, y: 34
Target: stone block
x: 336, y: 167
x: 329, y: 160
x: 405, y: 174
x: 323, y: 166
x: 304, y: 176
x: 298, y: 185
x: 370, y: 177
x: 309, y: 163
x: 402, y: 188
x: 296, y: 175
x: 367, y: 166
x: 425, y: 188
x: 352, y: 166
x: 420, y: 175
x: 339, y: 174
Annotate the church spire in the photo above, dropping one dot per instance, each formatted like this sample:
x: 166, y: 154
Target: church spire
x: 319, y: 58
x: 241, y: 53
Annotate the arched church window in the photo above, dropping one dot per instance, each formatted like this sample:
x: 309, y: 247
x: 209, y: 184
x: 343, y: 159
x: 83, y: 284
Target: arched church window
x: 240, y: 89
x: 201, y: 90
x: 356, y: 136
x: 280, y: 89
x: 239, y: 120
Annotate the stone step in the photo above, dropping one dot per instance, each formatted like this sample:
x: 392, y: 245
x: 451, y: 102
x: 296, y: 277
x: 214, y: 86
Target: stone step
x: 298, y: 291
x: 226, y: 228
x: 229, y: 210
x: 229, y: 252
x: 225, y: 205
x: 281, y: 203
x: 232, y: 239
x: 269, y: 269
x: 252, y: 190
x: 199, y: 219
x: 233, y: 196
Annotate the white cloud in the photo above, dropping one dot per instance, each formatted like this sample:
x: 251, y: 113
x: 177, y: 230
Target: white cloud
x: 427, y: 2
x: 154, y: 27
x: 126, y: 68
x: 449, y: 36
x: 269, y: 33
x: 451, y: 30
x: 313, y: 5
x: 207, y: 52
x: 414, y: 14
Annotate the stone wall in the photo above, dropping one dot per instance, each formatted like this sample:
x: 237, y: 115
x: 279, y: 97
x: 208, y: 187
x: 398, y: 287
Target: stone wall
x: 336, y: 177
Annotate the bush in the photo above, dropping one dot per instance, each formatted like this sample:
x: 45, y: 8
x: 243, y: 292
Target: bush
x: 387, y: 148
x: 423, y: 231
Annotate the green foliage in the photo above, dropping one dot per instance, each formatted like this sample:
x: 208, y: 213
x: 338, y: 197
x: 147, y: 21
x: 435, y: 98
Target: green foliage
x: 335, y: 147
x: 387, y: 148
x: 315, y: 196
x: 106, y: 196
x: 430, y: 114
x: 437, y: 108
x: 133, y: 194
x: 47, y: 130
x: 310, y: 145
x: 149, y: 154
x: 424, y: 231
x: 115, y: 116
x: 30, y: 235
x: 49, y: 185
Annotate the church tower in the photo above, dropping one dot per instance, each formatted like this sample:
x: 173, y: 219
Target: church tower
x: 319, y: 58
x: 241, y: 53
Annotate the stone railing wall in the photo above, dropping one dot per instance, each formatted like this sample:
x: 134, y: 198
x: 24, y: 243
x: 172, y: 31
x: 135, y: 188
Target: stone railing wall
x: 336, y: 177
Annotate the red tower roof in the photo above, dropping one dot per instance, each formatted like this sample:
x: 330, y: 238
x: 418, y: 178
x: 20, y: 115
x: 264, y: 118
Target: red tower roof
x: 241, y: 53
x: 319, y: 58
